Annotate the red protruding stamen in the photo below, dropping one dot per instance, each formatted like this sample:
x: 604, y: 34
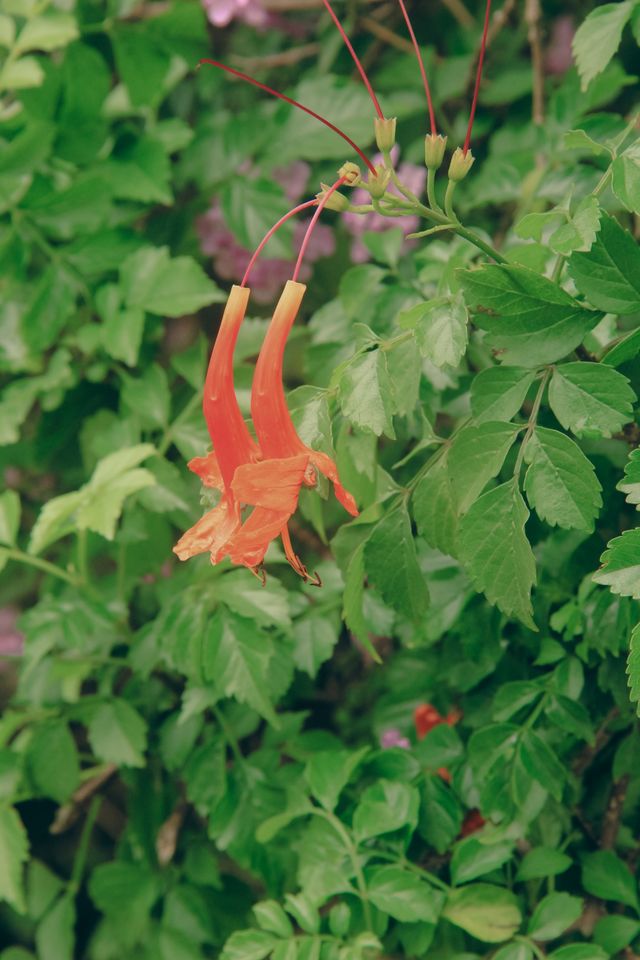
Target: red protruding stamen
x: 355, y: 58
x: 270, y: 233
x: 483, y: 47
x: 314, y: 220
x: 294, y: 103
x: 423, y: 72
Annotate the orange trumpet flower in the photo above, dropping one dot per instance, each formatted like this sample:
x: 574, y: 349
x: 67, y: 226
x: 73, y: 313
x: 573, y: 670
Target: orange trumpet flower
x: 233, y: 445
x: 273, y: 486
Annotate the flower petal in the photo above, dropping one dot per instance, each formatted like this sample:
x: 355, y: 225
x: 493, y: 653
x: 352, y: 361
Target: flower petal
x: 211, y: 532
x: 208, y: 469
x: 249, y: 545
x: 272, y: 484
x: 326, y: 466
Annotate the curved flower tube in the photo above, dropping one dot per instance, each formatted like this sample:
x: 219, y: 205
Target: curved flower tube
x: 273, y: 486
x: 233, y: 445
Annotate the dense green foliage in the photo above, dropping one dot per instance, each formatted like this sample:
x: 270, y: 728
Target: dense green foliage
x: 193, y: 765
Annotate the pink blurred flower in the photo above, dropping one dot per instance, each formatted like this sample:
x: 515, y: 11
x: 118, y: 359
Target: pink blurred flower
x: 11, y: 640
x: 393, y: 738
x: 558, y: 57
x: 414, y: 177
x: 292, y: 178
x: 220, y: 13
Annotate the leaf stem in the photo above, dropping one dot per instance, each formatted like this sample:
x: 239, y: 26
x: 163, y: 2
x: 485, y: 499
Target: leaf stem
x: 83, y: 847
x: 531, y: 423
x: 51, y: 568
x: 352, y: 851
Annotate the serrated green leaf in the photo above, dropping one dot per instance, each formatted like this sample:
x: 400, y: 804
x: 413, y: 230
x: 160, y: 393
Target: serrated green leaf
x: 141, y: 172
x: 14, y: 851
x: 609, y: 274
x: 597, y: 39
x: 590, y: 399
x: 391, y: 564
x: 55, y: 936
x: 580, y: 232
x: 472, y: 858
x: 250, y: 208
x: 237, y: 658
x: 53, y: 761
x: 497, y: 393
x: 384, y: 807
x: 541, y: 763
x: 561, y: 483
x: 366, y: 393
x: 542, y: 862
x: 496, y: 552
x: 487, y: 912
x: 329, y: 771
x: 620, y: 570
x: 633, y: 667
x: 476, y: 455
x: 530, y: 320
x: 170, y: 287
x: 615, y: 933
x: 118, y: 734
x: 625, y: 181
x: 249, y: 945
x: 435, y: 509
x: 440, y: 329
x: 624, y: 349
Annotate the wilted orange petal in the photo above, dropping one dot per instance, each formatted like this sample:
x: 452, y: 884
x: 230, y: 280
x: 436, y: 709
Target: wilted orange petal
x: 210, y: 533
x: 249, y: 545
x: 326, y: 466
x: 273, y: 484
x: 208, y: 469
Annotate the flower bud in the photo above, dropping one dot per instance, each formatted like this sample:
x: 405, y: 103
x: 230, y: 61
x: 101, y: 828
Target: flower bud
x: 460, y: 164
x: 337, y: 201
x: 352, y: 172
x: 434, y: 147
x: 385, y: 128
x: 377, y: 185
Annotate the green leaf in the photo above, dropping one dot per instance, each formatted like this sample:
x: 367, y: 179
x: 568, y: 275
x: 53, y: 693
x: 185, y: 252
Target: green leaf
x: 10, y: 510
x: 268, y: 605
x: 440, y: 329
x: 237, y: 658
x: 579, y: 951
x: 53, y: 761
x: 47, y: 32
x: 142, y: 63
x: 624, y: 349
x: 271, y: 917
x: 118, y: 734
x: 250, y: 209
x: 605, y: 875
x: 329, y: 771
x: 440, y: 814
x: 122, y: 889
x: 497, y: 393
x: 7, y: 31
x: 366, y: 393
x: 570, y: 716
x: 597, y: 39
x: 384, y: 807
x: 21, y: 74
x: 170, y: 287
x: 14, y: 852
x: 590, y: 399
x: 392, y: 566
x: 552, y: 915
x: 496, y: 552
x: 514, y: 951
x: 633, y: 667
x: 472, y: 858
x: 613, y: 934
x: 626, y: 178
x: 609, y: 274
x: 141, y: 172
x: 560, y: 483
x: 435, y: 509
x: 148, y: 397
x: 541, y: 763
x: 620, y: 570
x: 55, y: 936
x: 630, y: 484
x: 542, y: 862
x: 249, y: 945
x: 530, y: 320
x: 403, y: 895
x: 487, y: 912
x: 52, y: 304
x: 476, y: 455
x: 580, y: 232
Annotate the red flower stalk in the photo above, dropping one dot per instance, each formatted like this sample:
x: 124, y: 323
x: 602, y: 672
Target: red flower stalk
x: 232, y: 442
x: 355, y: 58
x: 423, y: 72
x: 294, y: 103
x: 474, y: 102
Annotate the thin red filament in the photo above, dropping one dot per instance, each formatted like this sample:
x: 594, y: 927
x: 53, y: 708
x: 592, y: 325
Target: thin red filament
x: 270, y: 233
x: 294, y: 103
x: 483, y: 47
x: 355, y: 58
x: 314, y: 220
x: 423, y: 72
